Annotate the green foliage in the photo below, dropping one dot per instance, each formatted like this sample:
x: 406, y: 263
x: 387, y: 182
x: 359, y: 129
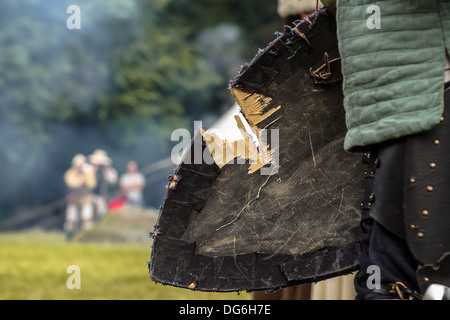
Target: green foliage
x: 50, y: 76
x: 134, y: 72
x: 157, y: 77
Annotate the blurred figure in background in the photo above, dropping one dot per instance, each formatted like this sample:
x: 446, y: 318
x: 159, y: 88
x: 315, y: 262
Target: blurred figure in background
x: 80, y: 180
x: 106, y: 176
x: 132, y: 183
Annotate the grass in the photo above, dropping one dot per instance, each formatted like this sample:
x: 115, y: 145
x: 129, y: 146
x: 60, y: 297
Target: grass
x: 33, y: 266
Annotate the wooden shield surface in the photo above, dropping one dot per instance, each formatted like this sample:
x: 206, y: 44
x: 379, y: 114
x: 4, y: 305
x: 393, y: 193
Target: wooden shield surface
x: 267, y: 225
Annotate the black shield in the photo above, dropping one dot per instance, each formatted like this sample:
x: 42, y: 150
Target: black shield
x: 231, y: 227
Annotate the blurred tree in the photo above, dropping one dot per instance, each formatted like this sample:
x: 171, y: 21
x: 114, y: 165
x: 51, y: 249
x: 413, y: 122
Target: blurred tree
x: 135, y: 71
x: 254, y: 20
x: 158, y: 81
x: 51, y: 76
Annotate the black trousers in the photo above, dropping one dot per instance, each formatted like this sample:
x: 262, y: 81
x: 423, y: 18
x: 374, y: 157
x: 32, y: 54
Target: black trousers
x: 387, y: 251
x: 398, y: 232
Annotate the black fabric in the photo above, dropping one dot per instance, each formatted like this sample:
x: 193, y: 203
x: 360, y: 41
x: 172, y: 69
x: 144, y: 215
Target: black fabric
x: 390, y: 253
x: 388, y: 187
x: 400, y: 160
x: 410, y: 222
x: 426, y: 200
x: 371, y: 160
x: 429, y: 274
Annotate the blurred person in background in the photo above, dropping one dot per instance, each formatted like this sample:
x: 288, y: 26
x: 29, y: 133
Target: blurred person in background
x: 132, y: 183
x: 106, y: 176
x: 80, y: 180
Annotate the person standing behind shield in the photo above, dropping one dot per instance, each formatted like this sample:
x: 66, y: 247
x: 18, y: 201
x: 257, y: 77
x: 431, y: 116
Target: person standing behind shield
x: 132, y: 183
x: 106, y: 176
x: 80, y: 180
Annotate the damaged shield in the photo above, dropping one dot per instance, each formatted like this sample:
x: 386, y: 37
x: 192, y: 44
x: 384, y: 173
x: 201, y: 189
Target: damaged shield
x: 281, y: 206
